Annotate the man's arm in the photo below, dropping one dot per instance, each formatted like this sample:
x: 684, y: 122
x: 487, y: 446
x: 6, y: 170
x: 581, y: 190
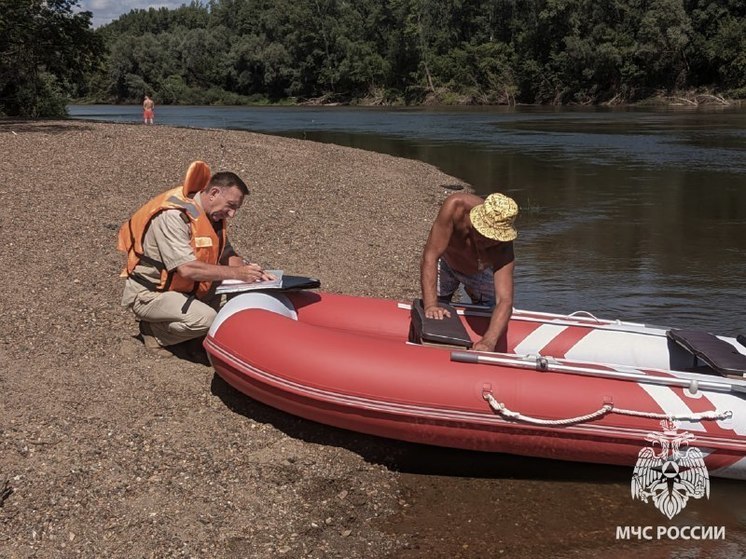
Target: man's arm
x: 171, y: 236
x: 503, y: 278
x: 195, y: 270
x: 437, y: 243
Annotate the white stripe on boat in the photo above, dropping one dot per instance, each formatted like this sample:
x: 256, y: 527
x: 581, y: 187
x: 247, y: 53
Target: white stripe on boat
x: 539, y: 338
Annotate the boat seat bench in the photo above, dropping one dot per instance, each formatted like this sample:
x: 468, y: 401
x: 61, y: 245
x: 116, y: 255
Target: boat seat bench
x: 717, y: 353
x: 449, y: 332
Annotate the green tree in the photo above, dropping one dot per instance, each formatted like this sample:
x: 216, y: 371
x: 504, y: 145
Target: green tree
x: 718, y: 53
x: 663, y: 36
x: 45, y: 51
x: 475, y: 51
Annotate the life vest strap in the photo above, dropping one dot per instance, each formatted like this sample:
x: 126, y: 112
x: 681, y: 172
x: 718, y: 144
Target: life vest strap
x: 157, y: 264
x: 151, y: 286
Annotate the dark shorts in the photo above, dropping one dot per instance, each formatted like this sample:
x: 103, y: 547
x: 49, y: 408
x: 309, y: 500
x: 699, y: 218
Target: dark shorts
x: 480, y: 287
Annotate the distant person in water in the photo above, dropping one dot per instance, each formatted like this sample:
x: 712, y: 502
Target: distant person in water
x: 147, y: 110
x: 471, y: 244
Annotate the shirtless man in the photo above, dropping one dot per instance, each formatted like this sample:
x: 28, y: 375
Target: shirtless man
x: 471, y: 243
x: 147, y: 110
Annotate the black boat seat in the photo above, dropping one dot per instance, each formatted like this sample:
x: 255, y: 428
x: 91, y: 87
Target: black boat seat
x: 718, y: 354
x: 449, y: 332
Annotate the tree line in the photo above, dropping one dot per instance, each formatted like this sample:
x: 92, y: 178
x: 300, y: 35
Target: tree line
x: 415, y: 51
x: 47, y: 52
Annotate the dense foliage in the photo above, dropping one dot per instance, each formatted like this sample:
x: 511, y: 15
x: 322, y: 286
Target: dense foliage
x: 474, y: 51
x: 45, y: 50
x: 374, y: 51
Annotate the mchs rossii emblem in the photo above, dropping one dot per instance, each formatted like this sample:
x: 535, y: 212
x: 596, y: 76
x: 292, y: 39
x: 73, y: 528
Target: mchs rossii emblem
x: 670, y: 475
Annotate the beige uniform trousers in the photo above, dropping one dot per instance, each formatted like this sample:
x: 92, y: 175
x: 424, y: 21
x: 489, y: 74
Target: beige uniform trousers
x: 175, y: 317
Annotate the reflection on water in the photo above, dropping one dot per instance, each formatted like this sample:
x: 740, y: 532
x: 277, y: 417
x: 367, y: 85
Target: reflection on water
x: 628, y: 214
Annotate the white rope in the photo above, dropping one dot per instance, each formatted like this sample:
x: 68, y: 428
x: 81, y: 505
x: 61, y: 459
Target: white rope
x: 712, y: 415
x: 577, y: 314
x: 500, y: 408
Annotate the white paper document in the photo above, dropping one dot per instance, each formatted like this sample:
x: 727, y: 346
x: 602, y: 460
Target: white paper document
x: 236, y: 286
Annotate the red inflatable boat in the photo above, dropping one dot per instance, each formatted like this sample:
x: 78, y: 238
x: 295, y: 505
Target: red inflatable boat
x: 565, y: 387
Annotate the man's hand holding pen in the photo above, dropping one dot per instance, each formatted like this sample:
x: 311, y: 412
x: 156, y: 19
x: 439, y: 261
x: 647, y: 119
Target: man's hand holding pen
x: 249, y: 272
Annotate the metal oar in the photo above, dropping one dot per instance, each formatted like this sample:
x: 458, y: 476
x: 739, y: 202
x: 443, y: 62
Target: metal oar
x: 547, y: 364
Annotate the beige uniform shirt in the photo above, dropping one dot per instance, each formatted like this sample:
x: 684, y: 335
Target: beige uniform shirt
x: 167, y: 240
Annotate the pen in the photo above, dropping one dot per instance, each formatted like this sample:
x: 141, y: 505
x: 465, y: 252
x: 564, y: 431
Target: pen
x: 265, y: 276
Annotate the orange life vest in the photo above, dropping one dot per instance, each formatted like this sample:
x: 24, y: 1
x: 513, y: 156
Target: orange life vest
x: 206, y: 243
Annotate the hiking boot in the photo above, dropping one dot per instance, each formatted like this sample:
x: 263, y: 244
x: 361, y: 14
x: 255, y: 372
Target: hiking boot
x: 146, y: 333
x: 150, y: 342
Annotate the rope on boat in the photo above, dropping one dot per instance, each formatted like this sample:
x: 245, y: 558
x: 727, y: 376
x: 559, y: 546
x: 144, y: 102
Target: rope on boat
x: 586, y: 313
x: 500, y: 408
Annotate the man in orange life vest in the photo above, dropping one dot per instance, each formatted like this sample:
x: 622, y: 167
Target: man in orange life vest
x: 176, y: 247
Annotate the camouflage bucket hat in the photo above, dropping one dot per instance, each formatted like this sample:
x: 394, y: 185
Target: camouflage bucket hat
x: 494, y: 218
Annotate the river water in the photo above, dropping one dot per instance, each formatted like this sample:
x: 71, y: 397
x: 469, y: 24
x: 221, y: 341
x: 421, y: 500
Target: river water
x: 627, y: 213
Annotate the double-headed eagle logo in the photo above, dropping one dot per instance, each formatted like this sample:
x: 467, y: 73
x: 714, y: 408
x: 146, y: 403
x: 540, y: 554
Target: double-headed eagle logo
x: 670, y: 477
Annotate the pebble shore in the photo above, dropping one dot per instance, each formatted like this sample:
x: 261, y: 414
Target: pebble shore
x: 108, y: 452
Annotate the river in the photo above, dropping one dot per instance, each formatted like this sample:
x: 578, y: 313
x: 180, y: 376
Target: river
x: 631, y: 214
x: 636, y: 214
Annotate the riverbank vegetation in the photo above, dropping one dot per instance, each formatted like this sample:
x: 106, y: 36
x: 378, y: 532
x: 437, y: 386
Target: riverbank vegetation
x: 47, y: 51
x: 424, y: 51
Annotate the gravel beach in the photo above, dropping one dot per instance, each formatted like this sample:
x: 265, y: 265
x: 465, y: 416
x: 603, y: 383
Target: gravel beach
x: 108, y: 452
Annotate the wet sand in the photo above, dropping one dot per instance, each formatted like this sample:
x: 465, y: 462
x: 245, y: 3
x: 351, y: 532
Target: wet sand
x: 106, y: 451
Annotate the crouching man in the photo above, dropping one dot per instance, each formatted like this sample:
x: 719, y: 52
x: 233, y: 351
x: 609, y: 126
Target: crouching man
x: 177, y: 246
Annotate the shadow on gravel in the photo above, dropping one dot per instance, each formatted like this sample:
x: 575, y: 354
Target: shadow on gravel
x: 414, y: 458
x: 22, y: 126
